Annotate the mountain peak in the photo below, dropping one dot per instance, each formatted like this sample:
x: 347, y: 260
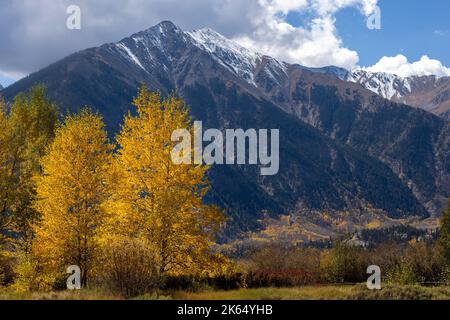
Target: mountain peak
x: 332, y: 134
x: 167, y: 26
x: 228, y: 53
x: 164, y: 28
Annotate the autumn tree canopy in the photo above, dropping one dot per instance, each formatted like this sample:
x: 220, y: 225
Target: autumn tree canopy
x: 26, y: 131
x: 155, y: 199
x: 70, y: 195
x: 80, y: 200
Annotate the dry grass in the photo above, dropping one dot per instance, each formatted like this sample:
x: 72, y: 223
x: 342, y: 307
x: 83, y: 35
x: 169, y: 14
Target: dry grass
x: 303, y: 293
x: 60, y: 295
x: 359, y: 292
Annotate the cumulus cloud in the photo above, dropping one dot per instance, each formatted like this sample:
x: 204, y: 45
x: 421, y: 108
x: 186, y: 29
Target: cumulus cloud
x: 400, y: 65
x: 316, y: 44
x: 34, y: 34
x: 332, y: 6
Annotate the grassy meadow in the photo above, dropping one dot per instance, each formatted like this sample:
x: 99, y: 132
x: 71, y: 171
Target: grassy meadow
x: 325, y: 292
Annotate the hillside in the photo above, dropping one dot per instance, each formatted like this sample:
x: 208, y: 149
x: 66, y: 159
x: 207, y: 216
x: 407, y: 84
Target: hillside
x: 342, y: 147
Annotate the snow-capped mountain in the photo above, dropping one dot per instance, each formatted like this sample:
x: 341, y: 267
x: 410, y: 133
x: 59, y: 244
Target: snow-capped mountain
x: 343, y: 148
x: 430, y: 93
x: 239, y: 60
x: 387, y: 85
x: 146, y: 50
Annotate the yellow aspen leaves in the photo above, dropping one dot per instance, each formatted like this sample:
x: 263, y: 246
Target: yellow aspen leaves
x: 155, y: 199
x: 92, y: 196
x: 70, y: 195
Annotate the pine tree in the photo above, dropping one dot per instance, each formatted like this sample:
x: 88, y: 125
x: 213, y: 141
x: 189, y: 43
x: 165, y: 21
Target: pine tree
x: 444, y: 236
x: 153, y: 198
x: 71, y: 192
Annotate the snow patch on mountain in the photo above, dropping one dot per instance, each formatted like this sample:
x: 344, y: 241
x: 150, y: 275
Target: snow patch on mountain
x: 146, y: 47
x: 341, y: 73
x: 389, y: 86
x: 275, y: 69
x: 130, y: 55
x: 251, y: 66
x: 241, y: 61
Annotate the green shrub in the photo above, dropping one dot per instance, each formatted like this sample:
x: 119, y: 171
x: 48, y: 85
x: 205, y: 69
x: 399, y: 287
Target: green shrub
x: 402, y: 274
x: 345, y: 264
x: 445, y: 276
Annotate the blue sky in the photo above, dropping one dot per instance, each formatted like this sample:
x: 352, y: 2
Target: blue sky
x: 410, y: 27
x: 413, y: 28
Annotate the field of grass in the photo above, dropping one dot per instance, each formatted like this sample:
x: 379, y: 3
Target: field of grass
x: 358, y: 292
x: 301, y: 293
x: 58, y: 295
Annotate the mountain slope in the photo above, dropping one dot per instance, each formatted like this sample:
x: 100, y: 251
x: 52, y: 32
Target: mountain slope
x: 430, y: 93
x: 339, y: 149
x: 413, y: 143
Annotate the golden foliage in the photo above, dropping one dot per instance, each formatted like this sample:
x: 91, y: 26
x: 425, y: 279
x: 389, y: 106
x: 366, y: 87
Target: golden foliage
x: 78, y: 204
x: 30, y: 275
x: 155, y: 199
x: 26, y: 130
x: 71, y: 192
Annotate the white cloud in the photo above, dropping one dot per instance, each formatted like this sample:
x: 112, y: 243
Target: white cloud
x: 283, y: 6
x: 34, y: 34
x: 7, y: 78
x: 440, y: 33
x: 12, y: 74
x: 400, y: 65
x: 316, y: 44
x: 332, y: 6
